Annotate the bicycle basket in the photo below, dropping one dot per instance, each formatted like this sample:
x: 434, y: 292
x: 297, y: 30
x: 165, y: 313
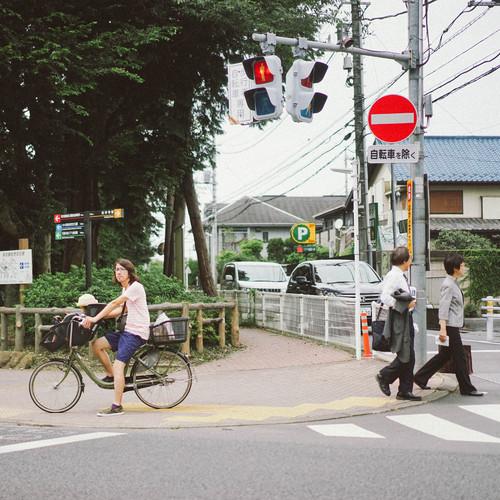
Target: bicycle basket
x: 54, y: 339
x: 171, y: 331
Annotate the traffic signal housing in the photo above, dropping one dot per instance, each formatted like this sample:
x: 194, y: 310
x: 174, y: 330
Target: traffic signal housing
x: 301, y: 100
x: 265, y: 97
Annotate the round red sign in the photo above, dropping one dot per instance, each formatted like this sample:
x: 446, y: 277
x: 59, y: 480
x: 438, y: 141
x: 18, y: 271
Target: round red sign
x: 392, y: 118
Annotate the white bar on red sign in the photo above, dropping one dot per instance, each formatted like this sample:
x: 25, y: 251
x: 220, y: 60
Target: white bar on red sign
x: 388, y: 118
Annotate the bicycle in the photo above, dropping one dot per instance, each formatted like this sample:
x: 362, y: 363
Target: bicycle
x: 159, y: 374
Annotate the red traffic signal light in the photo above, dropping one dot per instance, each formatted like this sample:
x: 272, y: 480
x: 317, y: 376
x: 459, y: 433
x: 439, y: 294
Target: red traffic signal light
x: 265, y: 96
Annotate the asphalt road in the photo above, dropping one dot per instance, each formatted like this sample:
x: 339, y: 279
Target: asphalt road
x: 447, y: 449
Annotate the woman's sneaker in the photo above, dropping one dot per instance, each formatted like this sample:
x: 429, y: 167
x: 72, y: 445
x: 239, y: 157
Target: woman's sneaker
x: 113, y: 410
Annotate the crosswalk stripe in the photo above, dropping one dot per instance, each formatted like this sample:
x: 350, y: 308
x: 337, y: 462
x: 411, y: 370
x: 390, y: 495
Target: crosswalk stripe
x: 442, y: 428
x: 42, y: 443
x: 488, y: 411
x: 344, y: 430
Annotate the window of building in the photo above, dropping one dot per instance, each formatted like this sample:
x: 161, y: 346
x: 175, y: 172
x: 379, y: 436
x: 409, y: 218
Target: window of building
x: 265, y: 236
x: 446, y: 202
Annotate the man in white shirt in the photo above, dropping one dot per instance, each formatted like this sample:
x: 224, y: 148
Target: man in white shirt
x: 395, y: 280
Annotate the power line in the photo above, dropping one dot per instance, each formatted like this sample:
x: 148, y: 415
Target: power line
x: 465, y: 71
x: 466, y: 84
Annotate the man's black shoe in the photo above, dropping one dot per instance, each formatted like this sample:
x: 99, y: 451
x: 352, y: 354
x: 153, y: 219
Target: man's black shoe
x: 384, y: 386
x: 473, y: 393
x: 424, y: 387
x: 107, y: 378
x: 408, y: 396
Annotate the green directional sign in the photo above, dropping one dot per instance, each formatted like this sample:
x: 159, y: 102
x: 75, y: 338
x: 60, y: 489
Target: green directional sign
x: 304, y: 233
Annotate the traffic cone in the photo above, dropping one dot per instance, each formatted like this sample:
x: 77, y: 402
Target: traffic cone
x: 367, y: 353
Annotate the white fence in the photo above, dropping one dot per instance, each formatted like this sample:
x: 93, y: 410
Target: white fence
x: 492, y: 308
x: 330, y: 319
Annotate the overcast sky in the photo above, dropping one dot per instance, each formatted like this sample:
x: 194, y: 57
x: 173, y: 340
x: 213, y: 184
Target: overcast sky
x: 280, y: 158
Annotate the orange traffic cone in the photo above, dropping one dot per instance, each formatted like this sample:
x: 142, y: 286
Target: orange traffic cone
x: 367, y: 353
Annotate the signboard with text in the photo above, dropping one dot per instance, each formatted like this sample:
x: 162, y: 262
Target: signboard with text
x: 304, y: 233
x: 409, y: 199
x: 16, y: 267
x: 393, y: 153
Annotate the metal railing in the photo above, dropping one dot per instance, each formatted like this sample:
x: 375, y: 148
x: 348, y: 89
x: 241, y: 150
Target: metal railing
x: 327, y: 318
x: 19, y: 313
x: 492, y: 312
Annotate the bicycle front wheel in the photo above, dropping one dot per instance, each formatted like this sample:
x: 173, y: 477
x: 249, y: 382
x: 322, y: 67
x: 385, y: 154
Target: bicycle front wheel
x: 162, y: 378
x: 55, y: 387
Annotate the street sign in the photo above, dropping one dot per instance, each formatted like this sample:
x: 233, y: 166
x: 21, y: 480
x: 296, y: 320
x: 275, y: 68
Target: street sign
x: 394, y: 153
x: 304, y: 233
x: 392, y: 118
x: 114, y: 213
x: 409, y: 204
x: 238, y: 82
x: 16, y: 267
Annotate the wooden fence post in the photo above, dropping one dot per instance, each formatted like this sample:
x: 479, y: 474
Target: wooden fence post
x: 235, y: 324
x: 222, y: 327
x: 199, y: 330
x: 3, y: 331
x: 38, y: 332
x: 185, y: 313
x: 19, y: 338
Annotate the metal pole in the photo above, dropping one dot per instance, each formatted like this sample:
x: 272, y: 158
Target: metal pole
x: 359, y: 125
x: 393, y: 206
x: 357, y: 307
x: 87, y: 228
x: 415, y: 10
x: 213, y: 253
x: 402, y: 57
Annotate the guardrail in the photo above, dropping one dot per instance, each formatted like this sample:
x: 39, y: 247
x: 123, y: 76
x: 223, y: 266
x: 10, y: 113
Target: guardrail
x: 327, y: 318
x: 19, y: 312
x: 492, y: 312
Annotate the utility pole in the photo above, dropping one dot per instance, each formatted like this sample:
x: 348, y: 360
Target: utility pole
x: 418, y: 277
x: 359, y: 123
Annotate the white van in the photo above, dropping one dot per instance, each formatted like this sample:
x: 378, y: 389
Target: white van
x: 246, y: 275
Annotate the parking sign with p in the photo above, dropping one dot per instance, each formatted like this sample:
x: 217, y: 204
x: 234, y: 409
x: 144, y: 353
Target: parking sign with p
x: 304, y: 233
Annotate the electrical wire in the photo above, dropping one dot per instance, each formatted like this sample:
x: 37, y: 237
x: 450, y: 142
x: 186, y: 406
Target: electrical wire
x: 466, y: 84
x: 465, y: 71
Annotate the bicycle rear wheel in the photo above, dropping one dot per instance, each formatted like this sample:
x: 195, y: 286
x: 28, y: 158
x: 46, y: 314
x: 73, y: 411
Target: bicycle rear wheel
x: 162, y: 378
x: 55, y: 387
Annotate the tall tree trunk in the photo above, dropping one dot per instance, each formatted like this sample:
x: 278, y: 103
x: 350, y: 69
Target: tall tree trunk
x: 178, y: 236
x: 168, y: 241
x: 206, y: 278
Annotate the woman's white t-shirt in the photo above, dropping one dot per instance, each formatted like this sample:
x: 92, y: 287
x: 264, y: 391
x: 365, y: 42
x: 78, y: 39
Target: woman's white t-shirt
x: 137, y: 310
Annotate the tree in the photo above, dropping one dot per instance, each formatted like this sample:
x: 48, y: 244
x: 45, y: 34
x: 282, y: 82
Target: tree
x: 251, y: 249
x: 276, y: 250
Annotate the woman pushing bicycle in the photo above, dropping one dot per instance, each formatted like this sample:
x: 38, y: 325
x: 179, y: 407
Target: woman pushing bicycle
x: 126, y: 342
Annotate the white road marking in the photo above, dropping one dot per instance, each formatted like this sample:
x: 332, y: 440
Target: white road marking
x: 344, y: 430
x: 467, y: 339
x: 389, y: 118
x: 442, y: 428
x: 488, y: 411
x: 31, y: 445
x: 474, y: 351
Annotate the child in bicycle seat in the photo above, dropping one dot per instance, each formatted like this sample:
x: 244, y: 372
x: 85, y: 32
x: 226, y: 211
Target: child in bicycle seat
x: 126, y: 342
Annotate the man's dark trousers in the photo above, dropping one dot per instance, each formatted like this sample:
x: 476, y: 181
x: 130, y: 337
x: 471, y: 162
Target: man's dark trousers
x: 403, y: 371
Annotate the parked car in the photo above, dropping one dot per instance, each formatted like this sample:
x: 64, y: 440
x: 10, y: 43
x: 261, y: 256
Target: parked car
x: 246, y: 275
x: 336, y: 277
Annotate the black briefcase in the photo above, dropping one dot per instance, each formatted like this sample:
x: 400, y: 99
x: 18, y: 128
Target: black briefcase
x: 449, y: 367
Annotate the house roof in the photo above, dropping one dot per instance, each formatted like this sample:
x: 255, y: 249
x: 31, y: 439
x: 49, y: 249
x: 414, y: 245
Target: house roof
x: 458, y: 159
x: 274, y: 210
x: 464, y: 224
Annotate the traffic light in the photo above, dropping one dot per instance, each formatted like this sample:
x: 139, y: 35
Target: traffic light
x: 301, y: 100
x: 266, y: 95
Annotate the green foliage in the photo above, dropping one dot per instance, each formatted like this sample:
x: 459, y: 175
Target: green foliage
x: 63, y: 289
x: 195, y: 271
x: 460, y: 241
x: 251, y: 249
x: 482, y: 259
x: 276, y: 250
x: 471, y: 310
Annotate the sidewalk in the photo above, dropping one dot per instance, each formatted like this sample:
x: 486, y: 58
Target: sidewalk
x: 276, y: 379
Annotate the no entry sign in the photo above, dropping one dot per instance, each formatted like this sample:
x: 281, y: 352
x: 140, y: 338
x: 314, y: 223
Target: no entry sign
x: 392, y: 118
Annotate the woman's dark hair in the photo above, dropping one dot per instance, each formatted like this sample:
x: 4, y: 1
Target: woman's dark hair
x: 399, y: 255
x: 129, y: 267
x: 452, y: 261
